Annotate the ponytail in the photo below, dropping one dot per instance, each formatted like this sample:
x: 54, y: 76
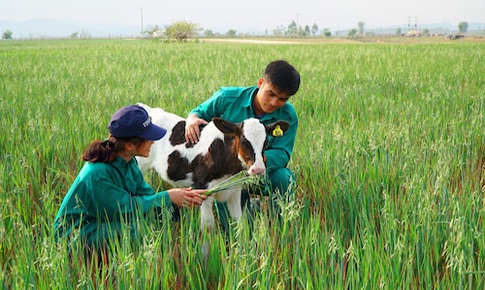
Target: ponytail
x: 107, y: 150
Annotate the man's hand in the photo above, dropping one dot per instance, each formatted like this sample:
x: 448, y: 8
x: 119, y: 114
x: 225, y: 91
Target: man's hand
x: 192, y: 132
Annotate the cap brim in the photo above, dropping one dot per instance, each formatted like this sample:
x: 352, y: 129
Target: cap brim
x: 153, y: 133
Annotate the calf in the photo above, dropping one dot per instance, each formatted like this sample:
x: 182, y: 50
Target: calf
x: 224, y: 149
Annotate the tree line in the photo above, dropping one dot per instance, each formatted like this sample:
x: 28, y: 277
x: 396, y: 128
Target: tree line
x: 184, y: 30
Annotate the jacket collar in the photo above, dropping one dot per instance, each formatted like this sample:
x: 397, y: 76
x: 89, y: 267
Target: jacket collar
x: 120, y: 162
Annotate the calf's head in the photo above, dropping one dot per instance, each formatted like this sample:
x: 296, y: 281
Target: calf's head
x: 250, y: 140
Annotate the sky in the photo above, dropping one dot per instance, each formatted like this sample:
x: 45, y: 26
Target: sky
x: 245, y: 14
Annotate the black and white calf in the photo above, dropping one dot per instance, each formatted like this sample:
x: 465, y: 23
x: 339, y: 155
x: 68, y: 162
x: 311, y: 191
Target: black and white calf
x: 224, y: 149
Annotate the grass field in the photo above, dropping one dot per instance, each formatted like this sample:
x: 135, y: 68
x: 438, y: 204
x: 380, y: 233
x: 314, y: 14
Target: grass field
x: 389, y: 158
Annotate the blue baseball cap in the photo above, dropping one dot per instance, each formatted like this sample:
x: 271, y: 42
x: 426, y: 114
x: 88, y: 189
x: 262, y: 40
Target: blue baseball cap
x: 134, y: 121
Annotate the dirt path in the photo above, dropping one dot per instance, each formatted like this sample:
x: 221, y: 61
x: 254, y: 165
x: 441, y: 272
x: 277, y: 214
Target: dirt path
x: 259, y: 41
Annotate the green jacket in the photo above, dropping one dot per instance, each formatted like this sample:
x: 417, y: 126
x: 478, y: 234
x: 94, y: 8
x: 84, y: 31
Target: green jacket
x: 104, y: 200
x: 235, y: 104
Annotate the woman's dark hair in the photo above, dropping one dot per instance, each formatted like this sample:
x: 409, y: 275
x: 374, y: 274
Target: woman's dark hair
x: 283, y: 76
x: 107, y: 150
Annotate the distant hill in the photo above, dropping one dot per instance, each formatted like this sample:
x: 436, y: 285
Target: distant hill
x: 40, y: 28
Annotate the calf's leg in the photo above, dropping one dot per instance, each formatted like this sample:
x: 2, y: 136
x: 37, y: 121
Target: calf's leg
x: 234, y: 205
x: 206, y: 216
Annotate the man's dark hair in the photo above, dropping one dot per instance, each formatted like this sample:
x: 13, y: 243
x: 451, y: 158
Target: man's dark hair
x: 283, y: 76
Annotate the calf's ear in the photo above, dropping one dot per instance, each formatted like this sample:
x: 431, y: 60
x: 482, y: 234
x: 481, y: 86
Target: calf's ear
x: 277, y: 129
x: 226, y: 127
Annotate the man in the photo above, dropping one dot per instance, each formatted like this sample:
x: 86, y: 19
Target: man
x: 268, y: 101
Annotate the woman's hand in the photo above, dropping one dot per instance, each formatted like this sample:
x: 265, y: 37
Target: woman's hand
x: 187, y: 197
x: 192, y: 132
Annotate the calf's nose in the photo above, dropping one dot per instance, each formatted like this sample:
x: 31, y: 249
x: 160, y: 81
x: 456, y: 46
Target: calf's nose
x: 256, y: 170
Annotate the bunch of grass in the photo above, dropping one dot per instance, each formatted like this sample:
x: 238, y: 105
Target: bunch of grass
x: 237, y: 180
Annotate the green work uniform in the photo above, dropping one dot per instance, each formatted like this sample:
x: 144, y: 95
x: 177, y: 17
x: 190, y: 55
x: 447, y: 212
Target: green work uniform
x: 235, y: 104
x: 104, y: 201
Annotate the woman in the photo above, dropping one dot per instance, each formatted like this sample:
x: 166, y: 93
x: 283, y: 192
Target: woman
x: 110, y: 193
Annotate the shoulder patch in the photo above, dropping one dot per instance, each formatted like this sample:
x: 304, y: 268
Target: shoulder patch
x: 277, y: 132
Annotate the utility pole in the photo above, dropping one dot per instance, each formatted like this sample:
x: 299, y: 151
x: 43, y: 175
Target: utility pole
x: 141, y: 13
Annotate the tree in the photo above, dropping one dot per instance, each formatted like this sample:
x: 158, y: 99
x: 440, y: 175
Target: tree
x: 181, y: 30
x: 314, y: 29
x: 208, y: 33
x: 292, y: 29
x: 303, y: 31
x: 279, y: 31
x: 154, y: 31
x: 352, y: 32
x: 398, y: 31
x: 307, y: 30
x: 327, y: 32
x: 231, y: 33
x: 361, y: 25
x: 7, y: 34
x: 463, y: 26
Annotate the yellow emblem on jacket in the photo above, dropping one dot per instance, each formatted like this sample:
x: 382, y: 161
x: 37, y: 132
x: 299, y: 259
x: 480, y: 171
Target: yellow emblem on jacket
x: 277, y: 132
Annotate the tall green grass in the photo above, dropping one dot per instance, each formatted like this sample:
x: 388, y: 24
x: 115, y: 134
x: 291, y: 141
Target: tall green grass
x: 389, y: 160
